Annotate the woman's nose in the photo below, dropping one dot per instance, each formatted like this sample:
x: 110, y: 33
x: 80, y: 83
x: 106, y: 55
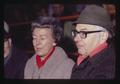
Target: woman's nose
x: 38, y: 42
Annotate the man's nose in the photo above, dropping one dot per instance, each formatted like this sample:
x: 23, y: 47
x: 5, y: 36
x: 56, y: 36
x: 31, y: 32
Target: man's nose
x: 77, y: 38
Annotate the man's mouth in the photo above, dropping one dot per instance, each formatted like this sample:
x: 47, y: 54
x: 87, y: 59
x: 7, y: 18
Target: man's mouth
x: 38, y: 49
x: 79, y: 46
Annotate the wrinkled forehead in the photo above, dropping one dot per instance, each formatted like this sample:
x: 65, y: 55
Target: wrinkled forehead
x: 88, y: 27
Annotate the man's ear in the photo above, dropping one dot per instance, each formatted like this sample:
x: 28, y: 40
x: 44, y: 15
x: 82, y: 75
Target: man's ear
x: 104, y: 37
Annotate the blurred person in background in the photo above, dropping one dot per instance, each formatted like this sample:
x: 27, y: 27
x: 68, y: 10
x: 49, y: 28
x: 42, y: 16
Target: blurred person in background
x: 80, y: 7
x: 7, y: 44
x: 49, y: 61
x: 14, y: 58
x: 58, y: 10
x: 111, y: 9
x: 40, y: 10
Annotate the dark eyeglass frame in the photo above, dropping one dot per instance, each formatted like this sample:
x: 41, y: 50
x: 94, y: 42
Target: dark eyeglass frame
x: 83, y: 34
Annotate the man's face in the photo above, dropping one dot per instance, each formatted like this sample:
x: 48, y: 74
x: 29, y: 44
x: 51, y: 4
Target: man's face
x: 7, y: 46
x: 42, y: 41
x: 86, y: 45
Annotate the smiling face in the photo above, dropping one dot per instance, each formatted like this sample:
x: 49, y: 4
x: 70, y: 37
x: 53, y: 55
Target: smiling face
x: 42, y: 41
x: 86, y: 45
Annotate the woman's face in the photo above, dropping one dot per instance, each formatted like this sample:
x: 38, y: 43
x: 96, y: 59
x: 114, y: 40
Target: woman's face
x: 42, y: 41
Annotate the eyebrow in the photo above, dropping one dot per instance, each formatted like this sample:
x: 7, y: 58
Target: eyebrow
x: 39, y: 35
x: 82, y: 29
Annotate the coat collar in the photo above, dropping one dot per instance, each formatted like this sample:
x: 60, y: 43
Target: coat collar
x: 93, y: 53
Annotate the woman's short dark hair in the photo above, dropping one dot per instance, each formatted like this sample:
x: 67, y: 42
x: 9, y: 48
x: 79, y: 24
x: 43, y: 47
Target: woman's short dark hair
x: 49, y: 22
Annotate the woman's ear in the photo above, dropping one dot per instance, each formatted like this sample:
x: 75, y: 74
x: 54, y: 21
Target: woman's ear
x: 54, y: 44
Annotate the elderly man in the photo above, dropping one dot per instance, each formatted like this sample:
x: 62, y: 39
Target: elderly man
x: 92, y: 36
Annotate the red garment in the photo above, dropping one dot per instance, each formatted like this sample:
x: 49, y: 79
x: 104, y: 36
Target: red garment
x: 95, y: 51
x: 80, y: 59
x: 40, y: 62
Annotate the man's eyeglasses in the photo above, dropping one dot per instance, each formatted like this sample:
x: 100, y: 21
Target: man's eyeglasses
x: 83, y: 34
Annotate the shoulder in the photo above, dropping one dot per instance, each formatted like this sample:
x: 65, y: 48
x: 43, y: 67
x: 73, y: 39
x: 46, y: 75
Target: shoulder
x: 63, y: 53
x: 31, y: 61
x: 19, y: 53
x: 104, y: 68
x: 63, y: 58
x: 60, y: 51
x: 68, y: 62
x: 103, y: 73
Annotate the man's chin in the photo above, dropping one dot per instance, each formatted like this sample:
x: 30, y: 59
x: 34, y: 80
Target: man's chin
x: 82, y: 52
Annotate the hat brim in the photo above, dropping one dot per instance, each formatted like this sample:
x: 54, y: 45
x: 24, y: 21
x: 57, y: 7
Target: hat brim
x: 74, y: 22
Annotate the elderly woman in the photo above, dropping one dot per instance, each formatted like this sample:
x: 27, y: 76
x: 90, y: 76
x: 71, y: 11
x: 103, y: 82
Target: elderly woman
x: 49, y: 60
